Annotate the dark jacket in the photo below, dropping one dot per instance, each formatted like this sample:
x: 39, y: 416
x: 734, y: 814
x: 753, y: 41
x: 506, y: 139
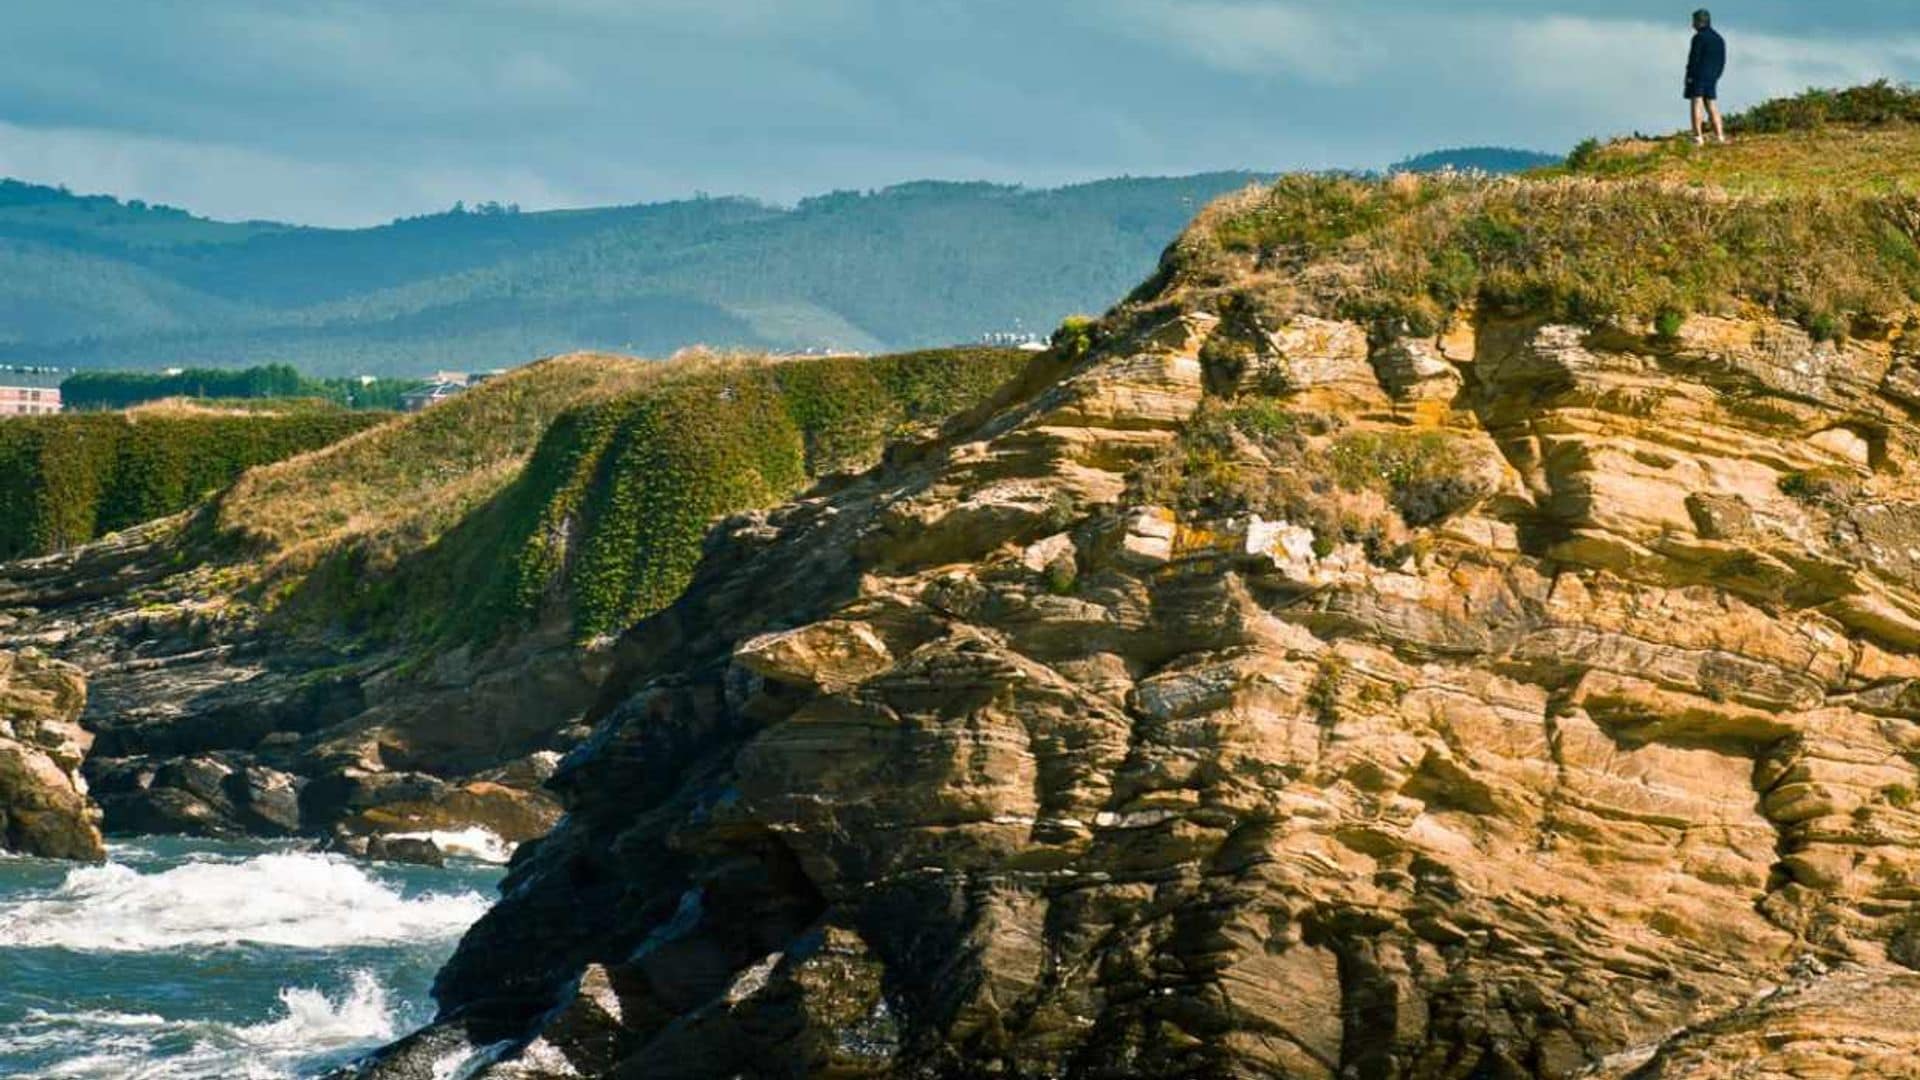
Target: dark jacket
x: 1707, y: 61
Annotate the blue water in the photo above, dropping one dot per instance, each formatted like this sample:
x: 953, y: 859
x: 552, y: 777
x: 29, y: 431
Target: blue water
x: 194, y: 958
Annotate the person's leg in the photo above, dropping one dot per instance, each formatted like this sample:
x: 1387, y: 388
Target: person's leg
x: 1699, y: 119
x: 1719, y: 128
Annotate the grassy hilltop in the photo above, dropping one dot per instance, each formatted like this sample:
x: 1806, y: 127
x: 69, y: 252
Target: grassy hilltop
x: 1812, y: 212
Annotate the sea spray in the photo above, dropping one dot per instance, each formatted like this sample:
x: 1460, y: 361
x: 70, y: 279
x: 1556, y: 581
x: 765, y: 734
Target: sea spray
x: 476, y: 842
x: 295, y: 899
x: 199, y: 958
x: 135, y: 1044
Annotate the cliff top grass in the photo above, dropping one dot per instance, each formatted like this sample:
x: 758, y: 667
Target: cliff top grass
x: 1865, y: 139
x: 1813, y: 212
x: 581, y: 485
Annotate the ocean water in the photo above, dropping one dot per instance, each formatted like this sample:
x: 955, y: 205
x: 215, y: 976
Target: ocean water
x: 203, y: 959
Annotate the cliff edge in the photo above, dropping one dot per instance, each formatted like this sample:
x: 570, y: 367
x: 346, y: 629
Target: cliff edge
x: 1437, y: 627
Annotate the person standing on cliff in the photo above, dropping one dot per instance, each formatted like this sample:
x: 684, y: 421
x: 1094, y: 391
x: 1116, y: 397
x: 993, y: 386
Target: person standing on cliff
x: 1705, y: 64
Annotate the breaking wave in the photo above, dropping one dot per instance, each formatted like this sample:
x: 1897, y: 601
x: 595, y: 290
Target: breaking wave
x: 310, y: 1025
x: 477, y: 843
x: 292, y: 899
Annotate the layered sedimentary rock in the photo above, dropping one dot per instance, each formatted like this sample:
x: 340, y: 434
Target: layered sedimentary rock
x: 208, y: 724
x: 1542, y: 702
x: 44, y: 809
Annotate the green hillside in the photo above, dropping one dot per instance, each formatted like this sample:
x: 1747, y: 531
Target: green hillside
x: 93, y: 282
x: 582, y: 484
x: 67, y: 479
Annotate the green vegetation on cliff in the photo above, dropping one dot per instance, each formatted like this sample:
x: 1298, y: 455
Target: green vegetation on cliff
x: 579, y: 487
x: 69, y: 478
x: 1816, y: 221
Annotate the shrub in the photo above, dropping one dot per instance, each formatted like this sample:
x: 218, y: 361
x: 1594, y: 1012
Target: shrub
x: 269, y: 382
x: 1074, y: 339
x: 1428, y: 476
x: 1876, y: 103
x: 1360, y: 487
x: 1829, y: 486
x: 1580, y: 250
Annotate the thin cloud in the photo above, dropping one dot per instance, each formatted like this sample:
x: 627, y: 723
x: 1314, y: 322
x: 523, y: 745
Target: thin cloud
x: 242, y: 183
x: 1629, y: 71
x: 1260, y: 39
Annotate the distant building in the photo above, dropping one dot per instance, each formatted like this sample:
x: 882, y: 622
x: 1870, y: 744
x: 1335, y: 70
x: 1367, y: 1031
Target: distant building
x: 30, y: 391
x: 1015, y: 339
x: 432, y: 393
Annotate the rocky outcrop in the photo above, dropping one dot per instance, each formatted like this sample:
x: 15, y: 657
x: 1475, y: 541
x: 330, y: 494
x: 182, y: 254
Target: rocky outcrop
x: 206, y: 723
x: 44, y: 809
x: 1251, y: 698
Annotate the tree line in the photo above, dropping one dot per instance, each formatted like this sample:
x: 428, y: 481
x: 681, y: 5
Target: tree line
x: 99, y: 390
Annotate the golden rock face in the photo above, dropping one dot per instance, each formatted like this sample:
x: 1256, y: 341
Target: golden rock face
x: 44, y: 809
x: 1559, y: 782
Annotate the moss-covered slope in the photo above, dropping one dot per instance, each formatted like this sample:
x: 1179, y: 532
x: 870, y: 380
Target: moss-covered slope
x: 67, y: 479
x: 605, y: 522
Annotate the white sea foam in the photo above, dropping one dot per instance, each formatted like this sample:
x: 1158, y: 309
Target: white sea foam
x: 121, y: 1045
x: 466, y: 1061
x: 477, y: 843
x: 294, y: 899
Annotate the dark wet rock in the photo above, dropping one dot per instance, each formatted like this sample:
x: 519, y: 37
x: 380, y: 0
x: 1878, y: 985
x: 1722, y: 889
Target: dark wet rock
x: 220, y: 726
x: 419, y: 851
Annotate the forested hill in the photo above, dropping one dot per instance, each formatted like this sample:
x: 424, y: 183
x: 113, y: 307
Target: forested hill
x: 1486, y: 159
x: 90, y: 281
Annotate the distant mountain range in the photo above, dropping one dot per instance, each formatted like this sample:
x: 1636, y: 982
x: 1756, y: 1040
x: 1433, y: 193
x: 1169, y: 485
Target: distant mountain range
x: 93, y: 281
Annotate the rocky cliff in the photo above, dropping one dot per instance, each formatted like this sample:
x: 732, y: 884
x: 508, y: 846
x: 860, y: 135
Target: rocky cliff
x: 398, y: 634
x: 44, y: 808
x: 1289, y: 676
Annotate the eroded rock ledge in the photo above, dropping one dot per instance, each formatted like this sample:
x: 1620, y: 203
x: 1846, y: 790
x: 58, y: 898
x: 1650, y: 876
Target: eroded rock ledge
x: 44, y: 809
x: 1013, y: 759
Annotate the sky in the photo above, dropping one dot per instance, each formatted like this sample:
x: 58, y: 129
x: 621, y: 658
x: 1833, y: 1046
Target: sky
x: 352, y: 112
